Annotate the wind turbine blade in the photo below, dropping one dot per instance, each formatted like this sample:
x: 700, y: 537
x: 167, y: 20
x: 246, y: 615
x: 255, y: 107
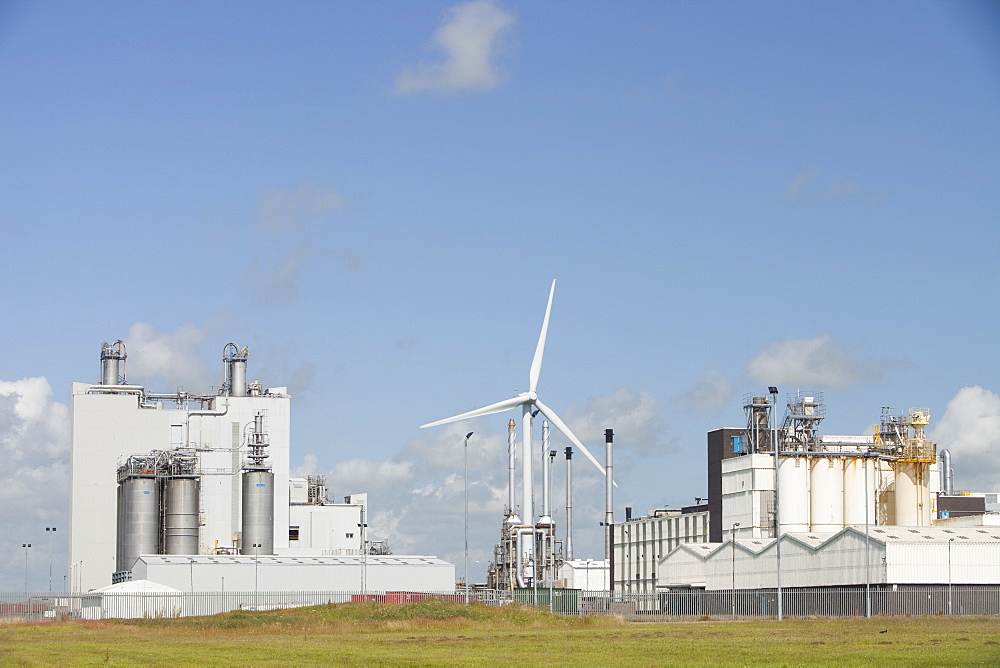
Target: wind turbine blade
x: 554, y: 419
x: 536, y: 362
x: 504, y: 405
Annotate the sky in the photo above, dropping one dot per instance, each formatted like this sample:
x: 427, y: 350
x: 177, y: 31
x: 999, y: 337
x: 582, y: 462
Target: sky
x: 374, y: 198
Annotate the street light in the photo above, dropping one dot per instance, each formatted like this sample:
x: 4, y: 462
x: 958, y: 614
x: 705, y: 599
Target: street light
x: 950, y: 541
x: 467, y: 437
x: 733, y: 539
x: 26, y: 546
x: 50, y: 531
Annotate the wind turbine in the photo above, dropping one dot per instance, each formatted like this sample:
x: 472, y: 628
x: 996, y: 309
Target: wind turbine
x: 530, y: 404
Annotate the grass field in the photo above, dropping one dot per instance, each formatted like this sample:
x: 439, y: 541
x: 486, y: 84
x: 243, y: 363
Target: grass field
x: 440, y: 633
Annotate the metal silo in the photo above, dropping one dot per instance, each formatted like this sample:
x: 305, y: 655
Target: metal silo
x: 235, y: 361
x: 258, y: 512
x: 141, y: 518
x: 180, y: 515
x: 112, y: 361
x: 258, y: 494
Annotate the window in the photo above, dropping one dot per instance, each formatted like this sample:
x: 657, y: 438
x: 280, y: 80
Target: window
x: 350, y: 535
x: 293, y: 533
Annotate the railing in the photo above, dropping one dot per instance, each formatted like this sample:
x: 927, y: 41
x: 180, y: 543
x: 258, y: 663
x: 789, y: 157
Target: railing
x: 666, y: 605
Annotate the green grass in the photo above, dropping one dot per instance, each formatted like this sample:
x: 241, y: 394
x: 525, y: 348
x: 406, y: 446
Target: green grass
x: 440, y: 633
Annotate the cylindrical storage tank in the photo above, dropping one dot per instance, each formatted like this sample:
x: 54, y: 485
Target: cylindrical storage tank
x: 826, y: 494
x: 109, y: 370
x: 793, y: 494
x: 908, y: 496
x: 258, y: 512
x: 180, y: 517
x: 141, y: 505
x: 238, y: 377
x: 119, y: 527
x: 857, y: 493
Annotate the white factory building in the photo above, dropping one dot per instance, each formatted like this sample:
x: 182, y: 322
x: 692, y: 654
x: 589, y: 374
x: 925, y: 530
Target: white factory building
x: 891, y: 555
x: 169, y: 485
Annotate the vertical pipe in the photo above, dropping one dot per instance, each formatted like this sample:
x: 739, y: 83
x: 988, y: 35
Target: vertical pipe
x: 546, y: 515
x: 569, y: 503
x: 609, y: 515
x: 527, y: 488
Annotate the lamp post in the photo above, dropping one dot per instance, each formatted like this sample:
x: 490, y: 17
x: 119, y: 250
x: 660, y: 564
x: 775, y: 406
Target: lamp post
x: 773, y: 391
x: 467, y: 437
x: 25, y: 546
x: 49, y: 531
x: 733, y: 539
x: 950, y: 541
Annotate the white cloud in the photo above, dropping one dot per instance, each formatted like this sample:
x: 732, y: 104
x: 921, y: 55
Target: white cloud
x: 634, y: 416
x: 296, y: 209
x: 34, y: 446
x: 171, y: 357
x: 467, y: 42
x: 818, y: 361
x: 799, y: 180
x: 711, y: 392
x: 276, y: 282
x: 970, y: 429
x: 808, y: 186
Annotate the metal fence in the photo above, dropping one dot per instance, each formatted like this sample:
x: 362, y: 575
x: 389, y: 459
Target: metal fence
x: 665, y: 605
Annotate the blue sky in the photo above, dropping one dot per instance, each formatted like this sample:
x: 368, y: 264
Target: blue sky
x: 375, y: 197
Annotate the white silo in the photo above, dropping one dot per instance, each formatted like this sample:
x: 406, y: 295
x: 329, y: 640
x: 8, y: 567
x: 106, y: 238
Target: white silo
x: 859, y: 491
x: 913, y: 502
x: 826, y: 494
x: 793, y: 481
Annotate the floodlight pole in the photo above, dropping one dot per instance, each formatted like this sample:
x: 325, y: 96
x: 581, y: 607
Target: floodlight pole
x: 868, y: 561
x: 467, y: 437
x: 25, y: 546
x: 49, y: 531
x: 950, y: 541
x: 777, y: 506
x: 733, y: 540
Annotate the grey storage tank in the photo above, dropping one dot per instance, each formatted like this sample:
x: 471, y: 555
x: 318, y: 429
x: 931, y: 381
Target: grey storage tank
x: 258, y: 494
x: 112, y: 363
x: 140, y: 496
x: 258, y: 512
x: 180, y: 514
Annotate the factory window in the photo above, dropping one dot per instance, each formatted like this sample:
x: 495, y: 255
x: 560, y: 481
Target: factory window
x: 293, y: 533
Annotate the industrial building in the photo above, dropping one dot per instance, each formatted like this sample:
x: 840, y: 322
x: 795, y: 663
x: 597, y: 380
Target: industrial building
x: 849, y: 510
x: 640, y: 543
x: 190, y: 490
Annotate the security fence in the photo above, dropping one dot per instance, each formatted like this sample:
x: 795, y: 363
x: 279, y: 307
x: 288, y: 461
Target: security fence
x: 677, y: 604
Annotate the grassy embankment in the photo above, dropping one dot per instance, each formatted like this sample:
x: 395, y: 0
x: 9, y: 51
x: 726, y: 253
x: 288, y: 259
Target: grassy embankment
x: 438, y: 633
